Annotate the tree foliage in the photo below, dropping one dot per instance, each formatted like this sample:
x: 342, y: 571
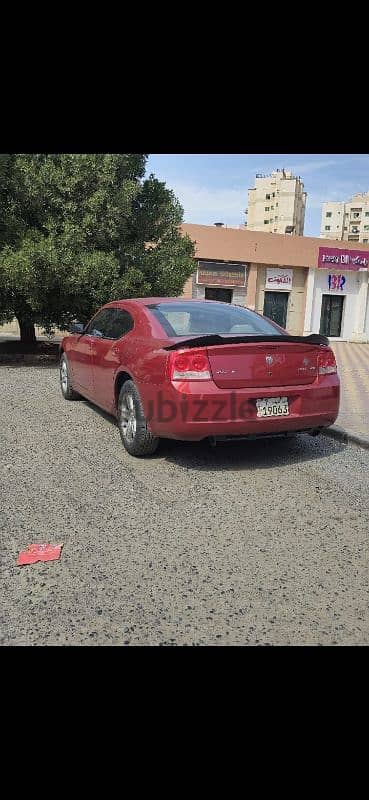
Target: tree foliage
x: 79, y: 230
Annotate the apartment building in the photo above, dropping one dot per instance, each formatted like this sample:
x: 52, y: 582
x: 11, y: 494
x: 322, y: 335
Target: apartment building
x: 277, y: 204
x: 346, y: 221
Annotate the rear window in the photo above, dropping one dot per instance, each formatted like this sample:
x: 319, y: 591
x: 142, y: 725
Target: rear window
x: 187, y: 319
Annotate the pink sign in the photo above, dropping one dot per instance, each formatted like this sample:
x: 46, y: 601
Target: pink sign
x: 344, y: 259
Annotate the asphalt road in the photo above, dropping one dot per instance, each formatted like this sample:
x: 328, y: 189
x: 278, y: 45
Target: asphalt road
x: 261, y: 543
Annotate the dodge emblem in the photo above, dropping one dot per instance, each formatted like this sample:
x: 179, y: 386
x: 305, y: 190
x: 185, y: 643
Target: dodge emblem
x: 269, y: 360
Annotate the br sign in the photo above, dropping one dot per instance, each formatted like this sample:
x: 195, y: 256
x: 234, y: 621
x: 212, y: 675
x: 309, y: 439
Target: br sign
x: 336, y: 282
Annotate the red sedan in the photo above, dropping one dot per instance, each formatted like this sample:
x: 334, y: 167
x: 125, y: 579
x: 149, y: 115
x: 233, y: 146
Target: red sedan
x: 196, y: 369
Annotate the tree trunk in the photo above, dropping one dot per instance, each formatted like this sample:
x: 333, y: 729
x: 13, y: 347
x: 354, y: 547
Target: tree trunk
x: 27, y: 331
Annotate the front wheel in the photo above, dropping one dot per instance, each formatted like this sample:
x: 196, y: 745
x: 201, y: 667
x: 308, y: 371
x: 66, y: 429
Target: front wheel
x: 137, y: 439
x: 65, y: 382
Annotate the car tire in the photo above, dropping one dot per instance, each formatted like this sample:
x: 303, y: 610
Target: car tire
x: 65, y: 381
x: 136, y: 438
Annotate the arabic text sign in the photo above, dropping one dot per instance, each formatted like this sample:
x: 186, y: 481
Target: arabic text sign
x: 221, y: 274
x: 345, y: 259
x: 279, y: 279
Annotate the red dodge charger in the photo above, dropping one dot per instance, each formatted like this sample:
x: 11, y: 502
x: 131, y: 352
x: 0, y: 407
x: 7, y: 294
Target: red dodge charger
x: 196, y: 369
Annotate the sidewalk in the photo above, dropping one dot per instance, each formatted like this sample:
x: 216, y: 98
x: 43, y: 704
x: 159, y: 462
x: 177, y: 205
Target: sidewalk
x: 353, y: 368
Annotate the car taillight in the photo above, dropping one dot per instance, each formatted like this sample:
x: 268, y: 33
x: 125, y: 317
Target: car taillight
x: 189, y: 365
x: 326, y: 362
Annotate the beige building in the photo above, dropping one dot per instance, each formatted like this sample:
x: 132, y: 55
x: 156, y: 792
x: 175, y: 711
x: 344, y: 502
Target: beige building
x: 277, y: 204
x: 346, y: 222
x: 305, y: 284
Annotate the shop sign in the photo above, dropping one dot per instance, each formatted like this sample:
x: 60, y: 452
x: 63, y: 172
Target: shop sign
x: 336, y: 282
x: 349, y: 259
x: 221, y: 274
x: 279, y: 279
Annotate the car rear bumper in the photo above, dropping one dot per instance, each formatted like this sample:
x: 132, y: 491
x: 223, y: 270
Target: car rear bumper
x: 195, y: 411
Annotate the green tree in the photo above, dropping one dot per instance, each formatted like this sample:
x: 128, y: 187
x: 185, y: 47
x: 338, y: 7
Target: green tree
x: 79, y: 230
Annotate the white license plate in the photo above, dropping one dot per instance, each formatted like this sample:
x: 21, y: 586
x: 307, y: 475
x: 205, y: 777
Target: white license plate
x: 272, y: 407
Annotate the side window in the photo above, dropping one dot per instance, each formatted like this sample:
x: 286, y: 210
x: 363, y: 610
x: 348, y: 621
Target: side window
x: 99, y: 325
x: 121, y: 323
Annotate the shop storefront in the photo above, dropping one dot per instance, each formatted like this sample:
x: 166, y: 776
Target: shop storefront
x: 280, y: 295
x: 278, y: 286
x: 339, y: 295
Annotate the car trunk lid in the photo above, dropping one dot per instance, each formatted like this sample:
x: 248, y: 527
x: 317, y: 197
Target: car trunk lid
x: 257, y: 364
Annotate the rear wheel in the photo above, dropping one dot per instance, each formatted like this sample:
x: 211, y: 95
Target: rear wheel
x: 65, y: 382
x: 137, y: 439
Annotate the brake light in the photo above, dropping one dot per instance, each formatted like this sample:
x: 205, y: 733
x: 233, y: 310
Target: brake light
x: 326, y: 362
x: 189, y: 365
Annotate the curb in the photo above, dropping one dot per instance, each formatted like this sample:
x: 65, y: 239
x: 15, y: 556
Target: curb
x: 335, y: 432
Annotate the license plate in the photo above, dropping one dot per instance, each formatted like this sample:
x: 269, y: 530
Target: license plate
x: 272, y: 407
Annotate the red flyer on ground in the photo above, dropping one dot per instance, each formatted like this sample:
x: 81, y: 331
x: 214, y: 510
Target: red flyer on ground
x: 39, y: 552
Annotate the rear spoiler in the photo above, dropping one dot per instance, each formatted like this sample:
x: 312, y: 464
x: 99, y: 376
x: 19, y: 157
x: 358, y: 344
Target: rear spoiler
x: 210, y: 339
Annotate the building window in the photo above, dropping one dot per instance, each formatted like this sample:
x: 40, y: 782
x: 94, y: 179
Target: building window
x: 266, y: 208
x: 272, y: 208
x: 328, y: 214
x: 366, y: 227
x: 353, y: 238
x: 367, y: 213
x: 345, y: 229
x: 222, y: 295
x: 267, y: 196
x: 273, y: 195
x: 327, y: 228
x: 266, y: 222
x: 365, y: 241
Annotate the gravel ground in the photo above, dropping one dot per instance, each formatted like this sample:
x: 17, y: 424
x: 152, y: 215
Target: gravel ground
x: 251, y: 543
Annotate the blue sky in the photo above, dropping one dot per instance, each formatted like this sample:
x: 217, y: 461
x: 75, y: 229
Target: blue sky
x: 213, y: 188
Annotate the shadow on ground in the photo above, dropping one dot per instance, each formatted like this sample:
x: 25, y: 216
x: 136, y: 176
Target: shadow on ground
x: 249, y: 455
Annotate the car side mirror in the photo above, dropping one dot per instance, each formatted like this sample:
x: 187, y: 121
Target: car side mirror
x: 76, y: 327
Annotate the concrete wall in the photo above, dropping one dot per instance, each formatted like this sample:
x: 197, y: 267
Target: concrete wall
x: 12, y: 328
